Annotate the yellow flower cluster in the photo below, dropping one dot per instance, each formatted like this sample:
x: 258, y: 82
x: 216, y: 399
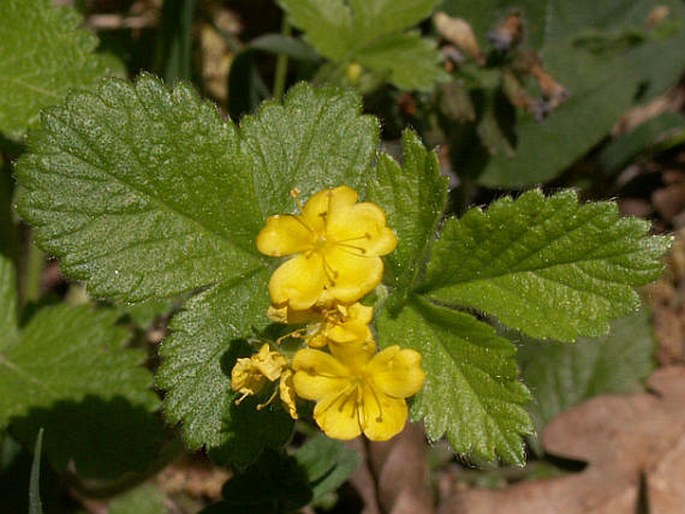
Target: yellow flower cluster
x: 335, y: 244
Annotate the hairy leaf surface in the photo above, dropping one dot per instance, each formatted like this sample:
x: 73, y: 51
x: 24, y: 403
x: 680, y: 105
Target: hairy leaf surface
x: 70, y: 374
x: 207, y: 338
x: 187, y: 193
x: 471, y: 395
x: 371, y: 34
x: 413, y: 196
x: 547, y: 266
x: 8, y: 303
x: 43, y: 54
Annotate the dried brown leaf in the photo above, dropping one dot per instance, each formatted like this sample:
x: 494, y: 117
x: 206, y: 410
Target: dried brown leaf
x: 623, y: 438
x: 394, y: 478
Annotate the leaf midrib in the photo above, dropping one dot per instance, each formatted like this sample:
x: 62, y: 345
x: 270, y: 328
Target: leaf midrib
x: 4, y: 361
x: 144, y: 194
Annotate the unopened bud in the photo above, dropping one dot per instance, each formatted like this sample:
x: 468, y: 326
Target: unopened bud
x: 459, y: 32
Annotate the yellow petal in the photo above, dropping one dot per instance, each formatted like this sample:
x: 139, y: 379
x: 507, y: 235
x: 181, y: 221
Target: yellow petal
x: 349, y: 324
x: 298, y: 282
x: 284, y: 314
x: 285, y: 235
x: 360, y: 312
x: 318, y: 374
x: 362, y: 226
x: 316, y: 335
x: 268, y: 363
x: 397, y: 372
x: 349, y: 332
x: 245, y: 378
x: 338, y: 415
x: 355, y: 356
x: 383, y: 417
x: 341, y: 199
x: 286, y: 391
x: 316, y: 211
x: 354, y: 275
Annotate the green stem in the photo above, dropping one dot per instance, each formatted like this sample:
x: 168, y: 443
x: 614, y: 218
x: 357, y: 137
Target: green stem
x: 281, y: 63
x: 34, y: 272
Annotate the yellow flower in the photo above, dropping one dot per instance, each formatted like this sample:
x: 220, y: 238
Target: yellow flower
x: 336, y: 245
x: 357, y: 391
x: 250, y: 375
x: 287, y: 392
x: 336, y: 324
x: 342, y: 325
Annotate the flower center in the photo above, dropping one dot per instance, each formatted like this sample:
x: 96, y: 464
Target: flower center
x: 321, y: 243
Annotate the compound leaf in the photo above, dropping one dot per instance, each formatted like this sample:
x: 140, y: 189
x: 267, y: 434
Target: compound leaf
x: 371, y: 34
x: 206, y: 340
x: 70, y: 373
x: 171, y: 220
x: 8, y: 303
x: 187, y: 193
x: 471, y: 394
x: 376, y: 18
x: 546, y: 266
x: 405, y: 59
x: 316, y: 139
x: 327, y: 24
x: 44, y: 53
x: 413, y: 196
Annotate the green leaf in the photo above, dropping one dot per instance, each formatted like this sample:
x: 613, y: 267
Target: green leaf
x: 8, y: 303
x: 9, y: 240
x: 174, y: 52
x: 406, y: 60
x: 327, y: 463
x: 413, y: 197
x: 207, y: 338
x: 627, y: 147
x: 317, y: 139
x: 44, y: 53
x: 183, y: 205
x: 70, y: 374
x: 471, y: 393
x: 561, y: 375
x: 279, y: 44
x: 187, y: 193
x: 376, y: 18
x: 327, y: 24
x: 602, y: 85
x: 546, y: 266
x: 35, y: 505
x: 172, y: 219
x: 564, y: 21
x: 10, y: 450
x: 371, y: 33
x: 145, y: 314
